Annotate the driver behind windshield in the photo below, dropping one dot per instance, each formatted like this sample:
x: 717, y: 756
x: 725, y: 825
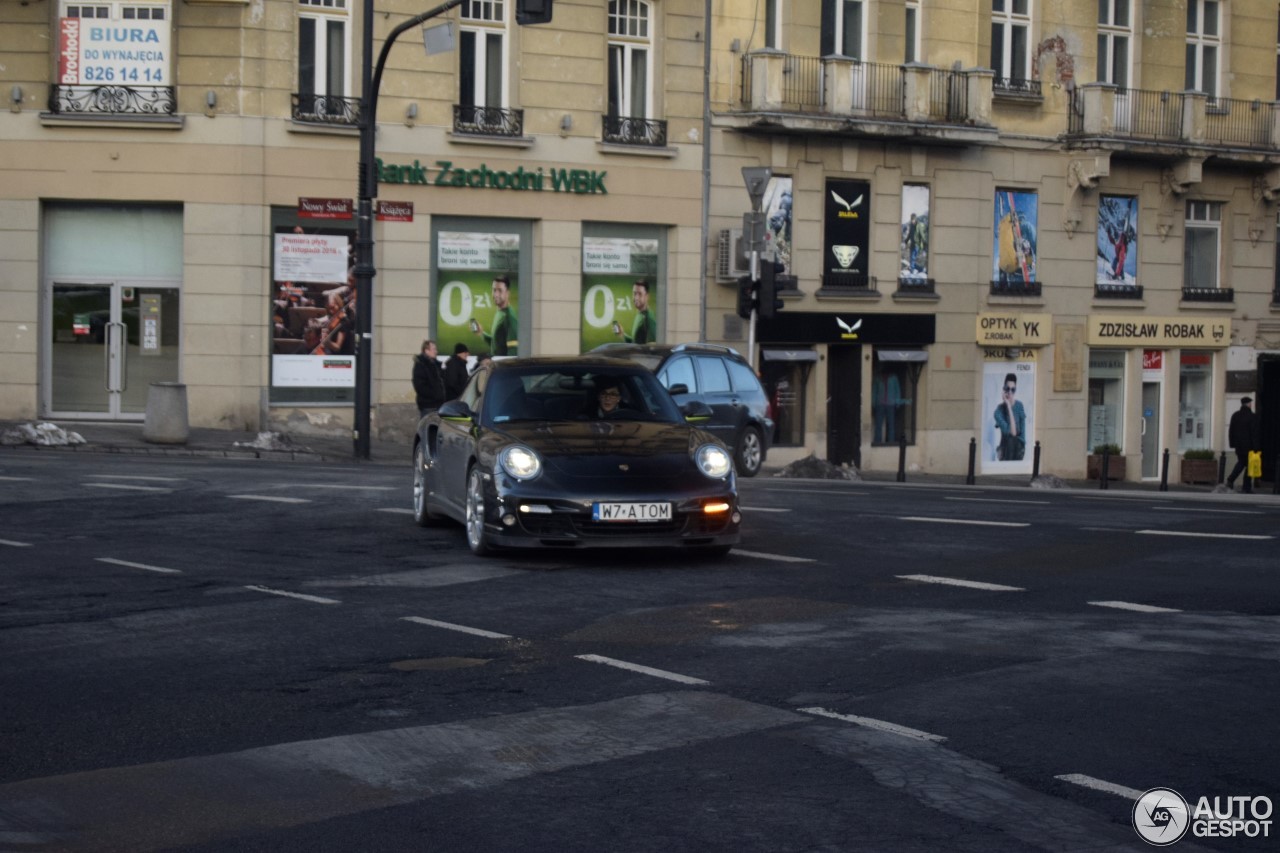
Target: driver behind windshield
x: 608, y: 397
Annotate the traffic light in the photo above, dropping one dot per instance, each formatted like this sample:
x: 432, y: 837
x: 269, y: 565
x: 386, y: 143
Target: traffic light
x: 769, y: 303
x: 746, y: 296
x: 533, y: 11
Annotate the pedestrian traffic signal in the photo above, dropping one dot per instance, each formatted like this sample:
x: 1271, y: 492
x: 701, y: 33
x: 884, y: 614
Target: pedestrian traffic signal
x: 769, y: 303
x: 533, y: 11
x: 746, y: 297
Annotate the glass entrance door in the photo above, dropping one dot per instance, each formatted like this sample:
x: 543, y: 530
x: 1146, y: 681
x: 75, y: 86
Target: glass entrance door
x: 107, y: 343
x: 1150, y: 430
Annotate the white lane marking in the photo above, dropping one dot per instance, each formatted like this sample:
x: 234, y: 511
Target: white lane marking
x: 315, y: 598
x: 1117, y: 498
x: 965, y: 521
x: 880, y: 725
x: 781, y: 558
x: 815, y: 491
x: 332, y: 486
x: 113, y: 561
x: 272, y: 498
x: 957, y: 582
x: 12, y: 544
x: 1198, y: 510
x: 133, y: 477
x: 643, y: 670
x: 1203, y: 535
x: 399, y: 510
x: 996, y: 501
x: 1139, y: 608
x: 764, y: 509
x: 1099, y: 785
x: 17, y: 479
x: 449, y: 626
x: 127, y: 487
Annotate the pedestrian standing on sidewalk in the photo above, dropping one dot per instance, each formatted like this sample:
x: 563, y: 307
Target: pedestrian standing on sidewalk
x: 1243, y: 434
x: 455, y: 372
x: 428, y: 379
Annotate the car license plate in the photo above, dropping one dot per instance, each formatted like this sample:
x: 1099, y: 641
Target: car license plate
x: 603, y: 511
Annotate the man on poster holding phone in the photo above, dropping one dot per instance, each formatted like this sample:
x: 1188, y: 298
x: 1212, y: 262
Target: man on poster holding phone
x: 645, y: 328
x: 503, y: 337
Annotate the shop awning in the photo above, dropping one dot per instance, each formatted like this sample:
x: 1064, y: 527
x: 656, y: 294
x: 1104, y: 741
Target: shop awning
x: 902, y: 355
x: 802, y: 355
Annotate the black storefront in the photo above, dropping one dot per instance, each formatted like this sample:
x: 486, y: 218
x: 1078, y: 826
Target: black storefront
x: 897, y: 354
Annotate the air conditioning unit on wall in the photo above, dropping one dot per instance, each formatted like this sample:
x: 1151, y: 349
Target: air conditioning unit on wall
x: 731, y: 258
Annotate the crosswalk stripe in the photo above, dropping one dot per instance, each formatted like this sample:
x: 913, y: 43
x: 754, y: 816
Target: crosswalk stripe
x: 306, y: 782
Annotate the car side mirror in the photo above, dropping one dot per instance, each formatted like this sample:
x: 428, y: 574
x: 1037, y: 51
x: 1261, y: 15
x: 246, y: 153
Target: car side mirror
x: 456, y: 410
x: 680, y: 388
x: 695, y: 411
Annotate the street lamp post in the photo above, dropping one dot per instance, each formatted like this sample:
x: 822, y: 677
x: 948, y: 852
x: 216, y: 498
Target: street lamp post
x: 367, y: 189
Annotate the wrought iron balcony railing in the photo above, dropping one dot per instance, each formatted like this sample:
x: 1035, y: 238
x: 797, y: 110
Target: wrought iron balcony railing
x: 915, y: 285
x: 1169, y: 116
x: 326, y: 109
x: 487, y: 121
x: 625, y: 130
x: 1015, y: 288
x: 868, y: 89
x: 1208, y: 294
x: 112, y: 100
x: 1015, y: 86
x: 1107, y: 290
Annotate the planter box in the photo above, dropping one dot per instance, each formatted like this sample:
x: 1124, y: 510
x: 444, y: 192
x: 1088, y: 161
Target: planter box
x: 1115, y: 467
x: 1199, y: 471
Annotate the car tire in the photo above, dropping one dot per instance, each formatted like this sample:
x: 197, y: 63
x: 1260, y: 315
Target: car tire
x: 749, y: 455
x: 477, y: 541
x: 422, y: 514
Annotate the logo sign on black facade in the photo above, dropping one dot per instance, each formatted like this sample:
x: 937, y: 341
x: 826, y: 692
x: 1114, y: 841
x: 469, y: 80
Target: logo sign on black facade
x: 847, y: 220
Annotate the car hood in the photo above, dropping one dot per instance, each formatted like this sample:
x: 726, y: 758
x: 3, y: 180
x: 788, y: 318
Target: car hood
x: 599, y: 448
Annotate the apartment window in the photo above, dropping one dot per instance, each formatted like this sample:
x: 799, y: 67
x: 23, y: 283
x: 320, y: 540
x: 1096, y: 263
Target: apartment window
x: 1115, y: 34
x: 1010, y: 35
x: 1204, y: 38
x: 482, y: 52
x: 849, y: 20
x: 773, y: 24
x: 630, y: 58
x: 324, y: 55
x: 1200, y: 247
x: 911, y: 30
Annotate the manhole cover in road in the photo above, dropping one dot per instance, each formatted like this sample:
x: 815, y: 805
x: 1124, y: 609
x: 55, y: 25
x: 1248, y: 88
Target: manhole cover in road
x: 691, y: 622
x: 437, y: 664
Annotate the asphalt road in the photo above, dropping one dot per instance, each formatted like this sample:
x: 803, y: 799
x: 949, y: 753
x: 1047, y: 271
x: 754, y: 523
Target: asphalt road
x: 227, y: 655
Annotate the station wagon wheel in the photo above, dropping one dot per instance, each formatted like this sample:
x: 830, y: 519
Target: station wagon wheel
x: 750, y: 453
x: 475, y: 514
x: 422, y: 514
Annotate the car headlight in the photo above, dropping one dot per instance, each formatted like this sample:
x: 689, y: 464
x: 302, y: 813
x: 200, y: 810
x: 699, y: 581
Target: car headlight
x: 520, y: 462
x: 713, y: 461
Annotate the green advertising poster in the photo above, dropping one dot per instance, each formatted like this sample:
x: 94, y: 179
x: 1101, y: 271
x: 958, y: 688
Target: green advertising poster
x: 478, y: 299
x: 619, y: 291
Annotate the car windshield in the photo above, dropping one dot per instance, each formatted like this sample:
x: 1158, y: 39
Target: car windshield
x: 568, y: 393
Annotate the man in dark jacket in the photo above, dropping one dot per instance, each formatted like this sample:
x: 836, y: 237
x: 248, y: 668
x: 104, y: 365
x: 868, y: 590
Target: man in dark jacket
x: 1244, y: 434
x: 428, y: 379
x: 455, y: 372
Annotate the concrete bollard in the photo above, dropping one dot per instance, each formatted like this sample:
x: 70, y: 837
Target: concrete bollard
x: 166, y: 418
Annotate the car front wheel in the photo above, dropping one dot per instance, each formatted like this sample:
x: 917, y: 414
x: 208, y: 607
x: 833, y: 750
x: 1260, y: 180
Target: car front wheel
x: 475, y: 514
x: 750, y: 454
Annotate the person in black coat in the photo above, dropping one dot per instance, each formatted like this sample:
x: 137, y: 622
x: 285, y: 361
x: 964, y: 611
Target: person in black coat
x: 1243, y: 434
x: 455, y: 372
x: 428, y: 379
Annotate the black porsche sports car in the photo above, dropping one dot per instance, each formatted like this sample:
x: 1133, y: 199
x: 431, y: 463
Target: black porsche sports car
x: 578, y: 451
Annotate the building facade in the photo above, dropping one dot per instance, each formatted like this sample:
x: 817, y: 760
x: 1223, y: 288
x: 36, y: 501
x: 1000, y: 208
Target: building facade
x: 1018, y: 227
x: 1021, y: 227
